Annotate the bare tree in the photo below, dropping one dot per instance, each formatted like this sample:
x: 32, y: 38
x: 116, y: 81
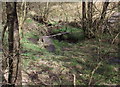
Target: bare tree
x: 14, y: 73
x: 10, y: 21
x: 17, y: 63
x: 102, y: 17
x: 89, y: 19
x: 84, y: 16
x: 103, y: 14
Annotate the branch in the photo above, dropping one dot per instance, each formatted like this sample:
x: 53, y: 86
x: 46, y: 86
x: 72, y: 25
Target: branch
x: 62, y: 33
x: 94, y: 72
x: 115, y: 38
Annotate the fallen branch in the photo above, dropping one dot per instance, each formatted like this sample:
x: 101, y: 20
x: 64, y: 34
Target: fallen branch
x: 74, y: 80
x: 62, y: 33
x: 115, y: 38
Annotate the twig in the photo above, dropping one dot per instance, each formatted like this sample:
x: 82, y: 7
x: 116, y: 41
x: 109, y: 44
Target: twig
x: 74, y: 80
x: 94, y: 72
x: 115, y: 38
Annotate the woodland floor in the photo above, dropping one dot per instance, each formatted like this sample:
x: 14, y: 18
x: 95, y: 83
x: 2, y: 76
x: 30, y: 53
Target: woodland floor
x: 85, y: 62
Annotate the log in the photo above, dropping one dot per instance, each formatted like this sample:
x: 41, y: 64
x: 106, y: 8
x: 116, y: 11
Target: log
x: 62, y: 33
x: 59, y: 34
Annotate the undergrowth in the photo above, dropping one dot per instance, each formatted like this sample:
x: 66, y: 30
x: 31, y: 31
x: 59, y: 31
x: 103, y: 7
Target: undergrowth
x: 79, y: 59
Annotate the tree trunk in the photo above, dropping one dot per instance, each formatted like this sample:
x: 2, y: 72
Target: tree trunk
x: 10, y: 21
x: 89, y: 14
x: 17, y: 60
x: 103, y: 14
x: 22, y: 18
x: 84, y: 17
x: 14, y: 76
x: 102, y: 17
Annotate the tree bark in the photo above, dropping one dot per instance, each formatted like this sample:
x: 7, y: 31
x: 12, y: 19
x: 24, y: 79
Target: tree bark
x: 14, y: 76
x: 103, y: 14
x: 102, y: 17
x: 17, y: 60
x: 84, y: 17
x: 89, y: 18
x: 10, y: 21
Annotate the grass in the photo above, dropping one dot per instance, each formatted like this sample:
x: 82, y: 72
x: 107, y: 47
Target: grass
x: 74, y: 33
x: 79, y: 58
x: 29, y: 20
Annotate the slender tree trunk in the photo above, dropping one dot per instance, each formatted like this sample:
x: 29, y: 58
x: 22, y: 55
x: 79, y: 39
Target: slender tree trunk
x: 10, y: 21
x: 17, y: 60
x: 22, y: 18
x: 118, y: 26
x: 89, y: 14
x: 84, y: 17
x: 14, y: 76
x: 103, y: 14
x: 101, y: 21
